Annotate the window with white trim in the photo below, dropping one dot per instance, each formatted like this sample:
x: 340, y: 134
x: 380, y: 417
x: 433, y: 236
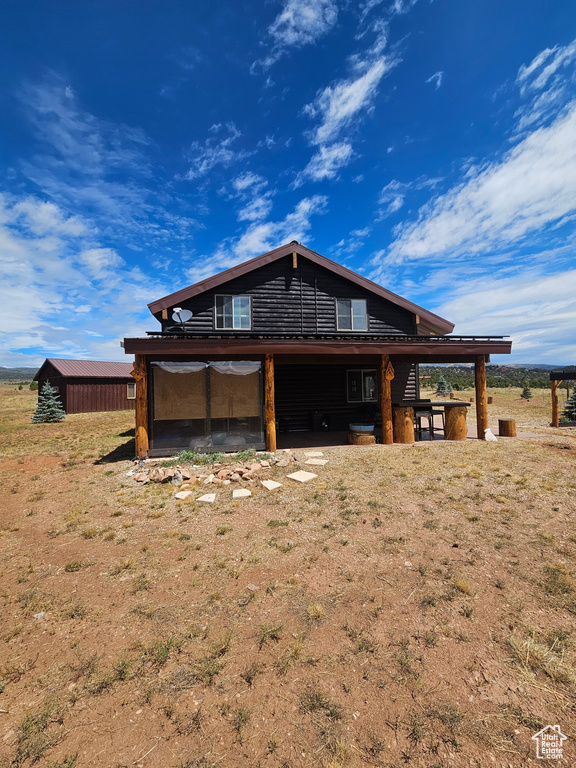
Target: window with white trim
x: 351, y: 315
x: 233, y: 313
x: 131, y: 390
x: 361, y: 386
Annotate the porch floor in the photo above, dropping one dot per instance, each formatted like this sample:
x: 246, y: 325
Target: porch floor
x: 326, y: 439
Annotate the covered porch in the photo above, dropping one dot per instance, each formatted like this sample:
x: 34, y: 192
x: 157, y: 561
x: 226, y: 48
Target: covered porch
x: 313, y: 385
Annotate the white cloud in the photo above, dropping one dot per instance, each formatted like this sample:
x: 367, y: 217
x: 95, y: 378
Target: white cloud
x: 265, y: 236
x: 326, y: 163
x: 436, y: 78
x: 400, y: 7
x: 532, y: 187
x: 338, y: 107
x: 261, y: 237
x: 396, y: 8
x: 59, y: 287
x: 251, y: 189
x: 338, y: 104
x: 546, y: 83
x: 79, y: 160
x: 89, y: 145
x: 537, y: 310
x: 349, y: 246
x: 536, y: 75
x: 216, y: 150
x: 392, y: 197
x: 246, y: 181
x: 100, y: 262
x: 43, y: 217
x: 299, y: 23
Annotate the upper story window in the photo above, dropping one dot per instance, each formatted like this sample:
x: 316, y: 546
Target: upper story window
x: 351, y: 315
x: 233, y: 313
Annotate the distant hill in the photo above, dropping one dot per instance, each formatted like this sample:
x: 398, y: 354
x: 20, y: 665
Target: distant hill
x: 17, y: 374
x: 462, y: 376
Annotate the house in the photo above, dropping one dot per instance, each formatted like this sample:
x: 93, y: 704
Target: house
x: 289, y: 340
x: 89, y: 385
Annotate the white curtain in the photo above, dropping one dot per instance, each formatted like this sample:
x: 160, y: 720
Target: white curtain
x: 181, y: 367
x: 236, y: 367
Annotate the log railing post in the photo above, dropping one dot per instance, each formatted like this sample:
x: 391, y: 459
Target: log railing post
x: 554, y: 387
x: 269, y: 407
x: 481, y: 397
x: 386, y: 376
x: 141, y: 409
x: 403, y: 424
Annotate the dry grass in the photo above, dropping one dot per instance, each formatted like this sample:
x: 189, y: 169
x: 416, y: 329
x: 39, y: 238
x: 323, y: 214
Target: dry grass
x: 413, y: 605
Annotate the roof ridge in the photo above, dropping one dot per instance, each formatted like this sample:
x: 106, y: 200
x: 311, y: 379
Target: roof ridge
x: 437, y: 322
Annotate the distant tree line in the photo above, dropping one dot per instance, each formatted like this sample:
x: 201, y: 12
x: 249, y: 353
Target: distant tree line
x: 461, y: 377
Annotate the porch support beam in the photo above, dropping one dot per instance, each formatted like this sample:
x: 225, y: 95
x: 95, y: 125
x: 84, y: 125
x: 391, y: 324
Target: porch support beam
x: 269, y: 406
x: 386, y: 376
x: 554, y: 388
x: 141, y: 409
x: 481, y: 396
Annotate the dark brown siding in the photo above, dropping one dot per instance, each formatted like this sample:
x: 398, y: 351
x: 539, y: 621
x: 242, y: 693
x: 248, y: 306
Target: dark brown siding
x: 295, y: 301
x: 89, y: 395
x: 305, y: 392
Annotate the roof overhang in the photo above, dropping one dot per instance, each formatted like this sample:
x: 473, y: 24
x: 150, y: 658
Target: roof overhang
x: 564, y: 374
x: 437, y: 323
x: 420, y: 348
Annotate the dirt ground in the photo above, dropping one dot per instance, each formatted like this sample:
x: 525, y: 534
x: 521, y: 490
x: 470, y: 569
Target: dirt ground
x: 414, y: 605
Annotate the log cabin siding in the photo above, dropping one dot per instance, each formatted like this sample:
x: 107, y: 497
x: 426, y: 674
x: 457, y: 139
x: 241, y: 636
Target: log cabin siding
x: 296, y: 301
x: 305, y: 391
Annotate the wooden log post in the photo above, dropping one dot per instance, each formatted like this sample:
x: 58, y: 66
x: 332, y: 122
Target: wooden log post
x: 269, y: 405
x: 455, y: 427
x: 481, y: 397
x: 403, y: 424
x: 386, y: 376
x: 555, y: 418
x: 141, y: 406
x: 507, y: 427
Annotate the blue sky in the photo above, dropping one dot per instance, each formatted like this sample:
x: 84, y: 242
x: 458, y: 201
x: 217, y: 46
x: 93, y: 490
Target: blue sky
x: 430, y: 146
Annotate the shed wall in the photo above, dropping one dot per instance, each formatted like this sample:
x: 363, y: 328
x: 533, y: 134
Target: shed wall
x: 91, y: 395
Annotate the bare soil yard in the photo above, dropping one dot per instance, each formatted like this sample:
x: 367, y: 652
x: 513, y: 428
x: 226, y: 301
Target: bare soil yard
x: 414, y: 605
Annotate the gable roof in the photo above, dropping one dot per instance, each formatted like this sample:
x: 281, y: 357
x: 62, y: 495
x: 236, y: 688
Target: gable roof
x: 90, y: 369
x: 436, y: 323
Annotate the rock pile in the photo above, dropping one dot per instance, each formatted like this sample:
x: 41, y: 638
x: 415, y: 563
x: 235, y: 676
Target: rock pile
x: 220, y: 474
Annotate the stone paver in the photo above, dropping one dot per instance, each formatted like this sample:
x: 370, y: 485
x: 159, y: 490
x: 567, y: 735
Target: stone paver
x: 241, y: 493
x: 182, y: 494
x: 317, y: 462
x: 271, y: 485
x: 301, y: 476
x: 208, y: 498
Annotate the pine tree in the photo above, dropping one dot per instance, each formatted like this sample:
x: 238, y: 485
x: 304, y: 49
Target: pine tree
x: 569, y: 410
x: 443, y: 387
x: 526, y: 393
x: 49, y: 407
